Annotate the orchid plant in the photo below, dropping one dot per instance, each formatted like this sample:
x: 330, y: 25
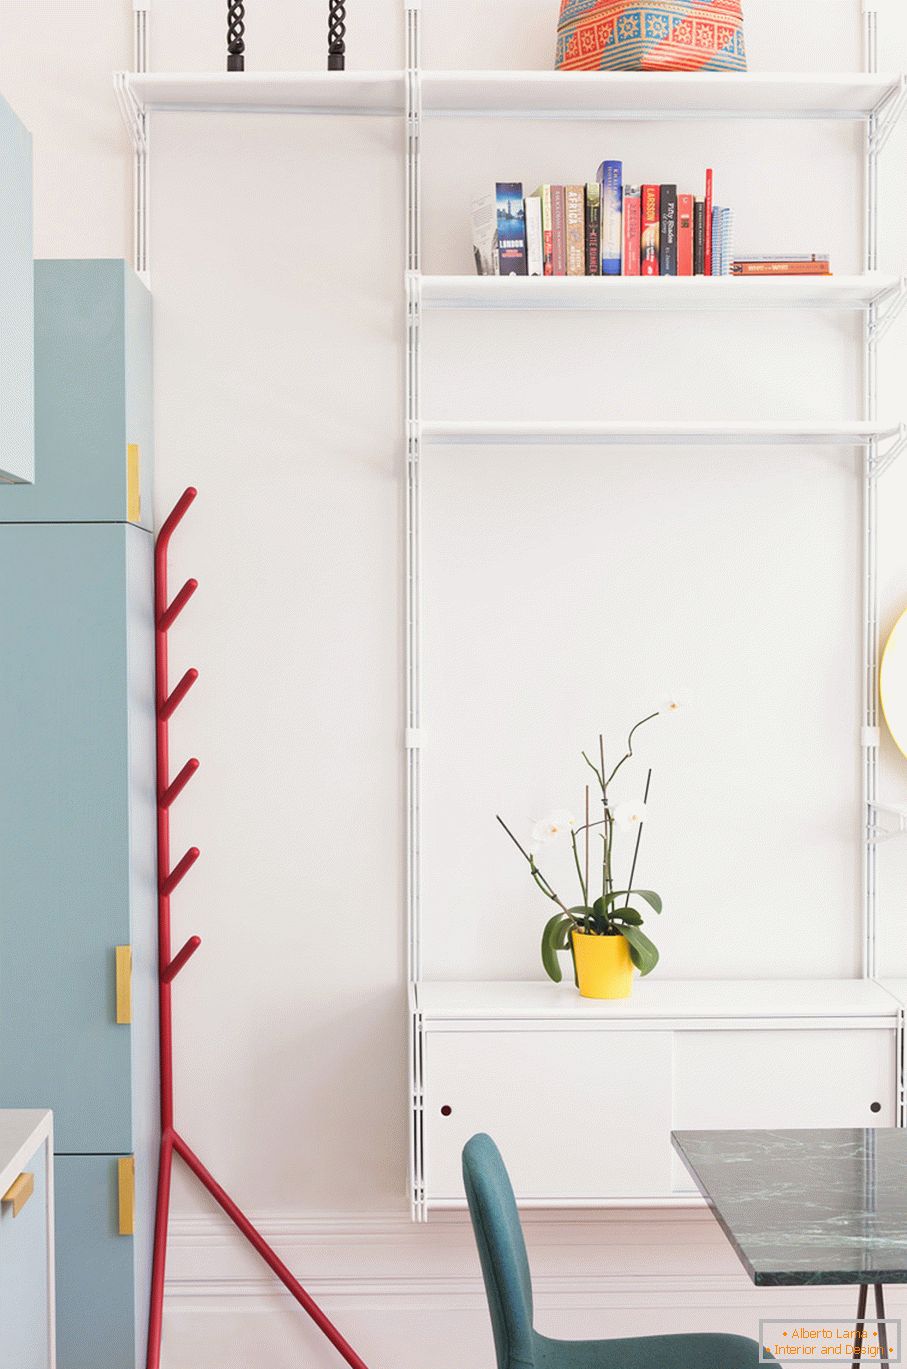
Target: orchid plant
x: 610, y: 913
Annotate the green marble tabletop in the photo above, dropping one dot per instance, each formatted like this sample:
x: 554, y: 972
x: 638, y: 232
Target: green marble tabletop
x: 807, y: 1207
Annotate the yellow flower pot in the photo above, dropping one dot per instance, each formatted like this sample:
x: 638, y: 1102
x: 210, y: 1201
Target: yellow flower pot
x: 603, y: 965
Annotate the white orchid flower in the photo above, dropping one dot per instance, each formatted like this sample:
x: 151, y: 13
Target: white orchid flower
x: 630, y: 815
x: 670, y: 706
x: 555, y: 825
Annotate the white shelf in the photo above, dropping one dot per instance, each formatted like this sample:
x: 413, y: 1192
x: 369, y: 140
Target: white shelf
x: 274, y: 92
x: 656, y: 95
x: 626, y: 433
x: 540, y: 1000
x: 664, y: 292
x: 524, y: 94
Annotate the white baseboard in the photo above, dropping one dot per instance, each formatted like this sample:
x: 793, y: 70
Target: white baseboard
x: 592, y: 1262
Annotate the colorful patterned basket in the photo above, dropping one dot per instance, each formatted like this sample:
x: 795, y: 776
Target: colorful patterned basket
x: 651, y: 35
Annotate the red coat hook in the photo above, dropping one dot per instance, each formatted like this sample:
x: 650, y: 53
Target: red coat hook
x: 169, y: 966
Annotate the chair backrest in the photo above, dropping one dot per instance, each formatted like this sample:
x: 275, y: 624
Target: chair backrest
x: 502, y: 1251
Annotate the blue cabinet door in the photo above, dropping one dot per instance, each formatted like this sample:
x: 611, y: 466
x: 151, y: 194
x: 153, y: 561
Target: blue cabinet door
x: 17, y: 373
x: 24, y: 1294
x: 93, y: 423
x: 76, y: 843
x: 96, y: 1312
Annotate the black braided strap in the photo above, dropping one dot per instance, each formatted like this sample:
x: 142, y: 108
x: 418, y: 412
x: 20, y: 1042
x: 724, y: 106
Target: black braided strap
x: 336, y: 35
x: 236, y: 29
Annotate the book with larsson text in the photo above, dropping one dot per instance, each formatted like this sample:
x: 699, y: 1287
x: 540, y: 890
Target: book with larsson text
x: 650, y: 229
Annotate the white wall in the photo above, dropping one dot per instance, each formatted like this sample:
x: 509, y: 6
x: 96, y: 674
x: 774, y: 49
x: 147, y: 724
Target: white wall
x: 729, y: 577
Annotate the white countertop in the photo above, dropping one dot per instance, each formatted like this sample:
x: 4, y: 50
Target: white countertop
x: 22, y: 1130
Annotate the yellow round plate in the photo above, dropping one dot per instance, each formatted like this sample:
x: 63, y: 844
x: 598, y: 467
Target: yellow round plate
x: 893, y: 683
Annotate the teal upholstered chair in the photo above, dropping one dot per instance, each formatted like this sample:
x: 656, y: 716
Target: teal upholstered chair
x: 505, y: 1268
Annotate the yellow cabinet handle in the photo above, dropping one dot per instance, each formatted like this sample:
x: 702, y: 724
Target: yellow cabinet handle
x: 19, y: 1192
x: 133, y: 483
x: 124, y: 985
x: 126, y: 1185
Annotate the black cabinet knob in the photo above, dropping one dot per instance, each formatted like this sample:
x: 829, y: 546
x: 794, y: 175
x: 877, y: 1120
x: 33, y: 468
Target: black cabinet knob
x: 875, y: 1107
x: 446, y: 1110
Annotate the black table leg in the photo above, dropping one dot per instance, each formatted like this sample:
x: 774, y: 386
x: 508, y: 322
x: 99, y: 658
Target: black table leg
x: 883, y: 1329
x: 860, y: 1326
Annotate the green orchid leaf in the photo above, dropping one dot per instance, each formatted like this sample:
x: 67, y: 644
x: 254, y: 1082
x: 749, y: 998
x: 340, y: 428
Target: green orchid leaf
x: 650, y: 896
x: 563, y: 940
x: 628, y: 916
x: 642, y: 952
x: 601, y: 905
x: 549, y: 947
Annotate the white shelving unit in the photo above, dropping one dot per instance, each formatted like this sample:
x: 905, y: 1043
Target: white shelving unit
x: 461, y: 1034
x: 624, y: 434
x: 661, y: 293
x: 526, y: 94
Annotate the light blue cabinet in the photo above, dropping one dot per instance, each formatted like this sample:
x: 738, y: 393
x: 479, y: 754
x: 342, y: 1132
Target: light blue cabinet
x: 77, y: 787
x: 77, y: 801
x: 93, y: 423
x: 26, y: 1277
x: 17, y: 418
x: 96, y: 1309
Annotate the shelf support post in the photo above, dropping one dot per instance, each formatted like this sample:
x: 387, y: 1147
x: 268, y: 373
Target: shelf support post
x: 413, y: 586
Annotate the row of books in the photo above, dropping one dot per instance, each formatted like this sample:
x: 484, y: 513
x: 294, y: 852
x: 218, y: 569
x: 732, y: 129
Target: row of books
x: 603, y: 228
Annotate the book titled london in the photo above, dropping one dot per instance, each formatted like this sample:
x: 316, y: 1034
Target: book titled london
x: 511, y: 217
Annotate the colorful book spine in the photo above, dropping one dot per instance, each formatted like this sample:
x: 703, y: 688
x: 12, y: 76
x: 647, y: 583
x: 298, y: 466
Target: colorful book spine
x: 558, y: 231
x: 699, y: 237
x: 610, y: 177
x: 667, y: 247
x: 511, y: 228
x: 685, y: 235
x: 780, y: 268
x: 650, y: 229
x: 593, y: 229
x: 543, y: 195
x: 709, y: 188
x: 575, y: 212
x: 727, y: 234
x: 535, y: 255
x: 631, y: 236
x: 716, y: 240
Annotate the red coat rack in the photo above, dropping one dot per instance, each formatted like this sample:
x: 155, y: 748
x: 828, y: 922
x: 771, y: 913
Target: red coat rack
x: 169, y: 965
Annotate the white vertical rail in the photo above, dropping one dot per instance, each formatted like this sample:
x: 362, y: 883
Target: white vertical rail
x: 140, y: 61
x: 413, y: 720
x: 870, y: 732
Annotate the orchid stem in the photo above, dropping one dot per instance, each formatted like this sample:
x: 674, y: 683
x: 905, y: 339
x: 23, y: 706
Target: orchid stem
x: 638, y: 840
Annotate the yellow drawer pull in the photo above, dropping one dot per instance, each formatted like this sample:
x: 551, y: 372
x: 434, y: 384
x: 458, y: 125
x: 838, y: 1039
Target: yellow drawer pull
x: 19, y: 1192
x: 126, y: 1180
x: 124, y: 985
x: 133, y: 483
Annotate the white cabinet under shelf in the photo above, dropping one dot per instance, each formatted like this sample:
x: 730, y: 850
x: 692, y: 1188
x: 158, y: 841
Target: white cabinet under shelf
x: 582, y: 1095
